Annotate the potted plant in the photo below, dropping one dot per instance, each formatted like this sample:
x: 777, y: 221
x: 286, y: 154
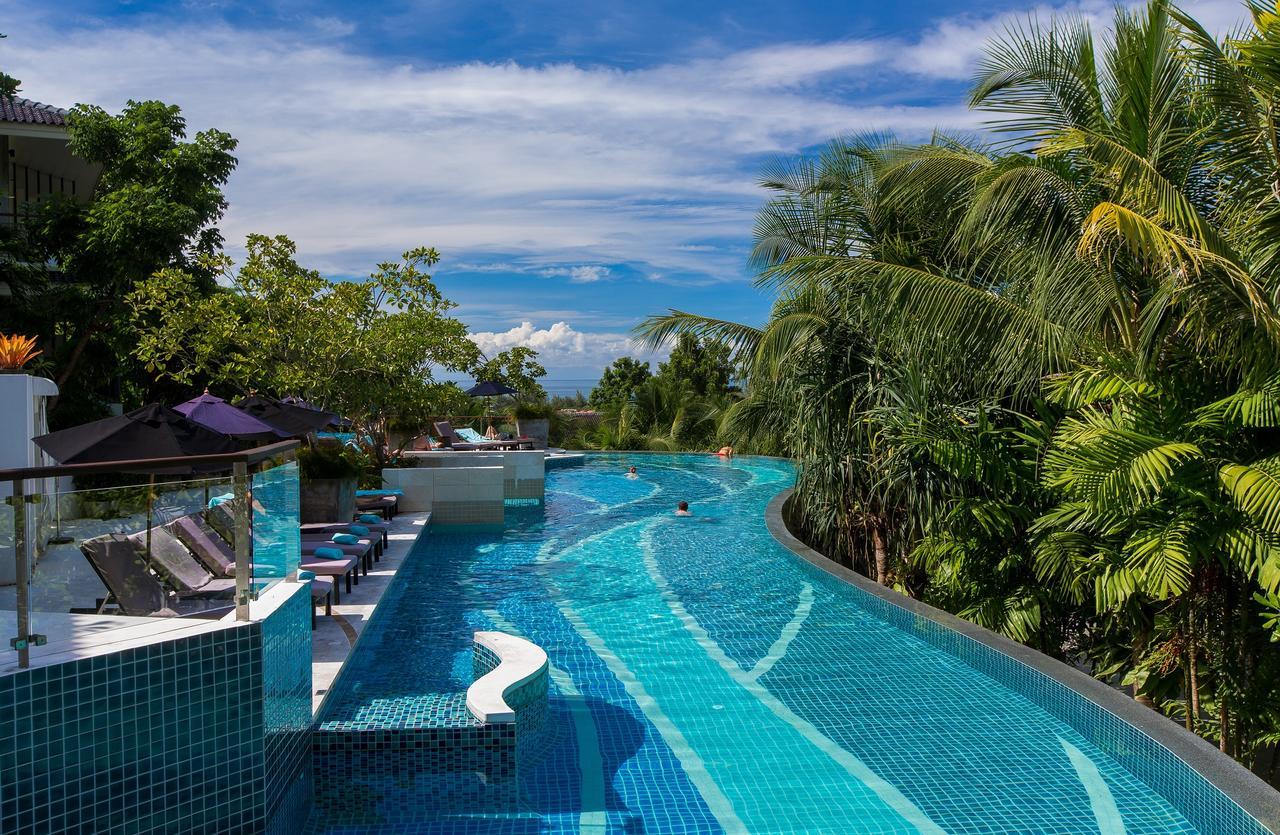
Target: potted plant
x: 533, y: 420
x: 15, y: 352
x: 327, y: 488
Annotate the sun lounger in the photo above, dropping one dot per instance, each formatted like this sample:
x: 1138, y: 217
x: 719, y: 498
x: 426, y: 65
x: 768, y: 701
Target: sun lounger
x: 362, y: 551
x: 178, y: 568
x: 380, y: 532
x: 221, y: 521
x: 452, y: 440
x: 209, y: 548
x: 131, y: 586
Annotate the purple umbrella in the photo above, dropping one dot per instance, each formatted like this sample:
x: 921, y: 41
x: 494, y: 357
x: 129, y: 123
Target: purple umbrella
x: 220, y: 416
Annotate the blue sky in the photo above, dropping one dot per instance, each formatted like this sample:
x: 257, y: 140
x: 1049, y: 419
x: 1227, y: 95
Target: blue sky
x: 579, y: 166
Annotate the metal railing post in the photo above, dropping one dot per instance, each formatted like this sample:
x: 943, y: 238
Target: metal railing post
x: 22, y: 574
x: 243, y: 507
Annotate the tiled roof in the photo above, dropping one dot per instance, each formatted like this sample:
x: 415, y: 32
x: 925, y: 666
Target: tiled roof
x: 28, y: 112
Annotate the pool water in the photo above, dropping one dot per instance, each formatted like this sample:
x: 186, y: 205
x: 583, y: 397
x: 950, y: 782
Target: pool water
x: 705, y: 679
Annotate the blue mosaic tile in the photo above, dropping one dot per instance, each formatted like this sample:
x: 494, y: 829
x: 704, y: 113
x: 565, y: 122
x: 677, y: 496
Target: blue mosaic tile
x: 704, y: 679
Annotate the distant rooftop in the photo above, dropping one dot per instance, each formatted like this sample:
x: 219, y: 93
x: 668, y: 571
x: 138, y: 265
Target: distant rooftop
x: 28, y: 112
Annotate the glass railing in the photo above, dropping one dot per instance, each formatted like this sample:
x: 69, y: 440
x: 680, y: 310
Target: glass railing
x: 83, y: 555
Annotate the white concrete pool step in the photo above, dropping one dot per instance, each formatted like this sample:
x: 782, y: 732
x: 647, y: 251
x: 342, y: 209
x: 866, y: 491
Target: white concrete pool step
x: 517, y: 676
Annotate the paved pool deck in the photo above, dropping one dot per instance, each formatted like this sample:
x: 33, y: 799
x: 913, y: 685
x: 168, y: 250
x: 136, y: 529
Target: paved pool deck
x: 335, y: 636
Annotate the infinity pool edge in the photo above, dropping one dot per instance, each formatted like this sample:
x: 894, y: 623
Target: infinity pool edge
x: 1236, y: 783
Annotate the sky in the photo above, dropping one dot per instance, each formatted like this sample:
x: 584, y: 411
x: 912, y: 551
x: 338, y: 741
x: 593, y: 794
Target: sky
x: 580, y: 166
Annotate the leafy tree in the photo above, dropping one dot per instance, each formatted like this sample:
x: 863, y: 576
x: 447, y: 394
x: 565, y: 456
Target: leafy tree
x: 518, y: 368
x: 366, y: 349
x: 703, y: 364
x: 619, y: 382
x: 157, y: 199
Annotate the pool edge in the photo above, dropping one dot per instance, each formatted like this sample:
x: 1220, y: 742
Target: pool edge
x: 1237, y: 783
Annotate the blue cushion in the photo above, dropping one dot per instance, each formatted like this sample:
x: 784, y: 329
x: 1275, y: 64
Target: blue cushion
x: 369, y: 517
x: 345, y: 538
x: 358, y: 529
x: 217, y: 500
x: 330, y: 554
x: 379, y: 492
x: 303, y: 574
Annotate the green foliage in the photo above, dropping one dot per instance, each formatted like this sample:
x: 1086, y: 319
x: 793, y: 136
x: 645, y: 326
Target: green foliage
x: 326, y: 461
x: 619, y: 382
x: 702, y: 364
x: 365, y: 349
x: 155, y: 206
x: 528, y: 410
x: 517, y: 368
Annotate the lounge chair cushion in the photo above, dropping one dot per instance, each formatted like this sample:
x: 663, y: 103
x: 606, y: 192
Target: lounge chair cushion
x: 371, y: 518
x: 360, y: 530
x: 329, y: 554
x: 345, y: 539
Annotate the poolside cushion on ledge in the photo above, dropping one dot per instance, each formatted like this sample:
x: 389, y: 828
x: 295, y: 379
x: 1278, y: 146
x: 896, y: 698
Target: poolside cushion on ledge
x: 379, y: 492
x: 345, y: 538
x: 329, y: 554
x: 371, y: 518
x: 303, y: 574
x: 359, y: 529
x: 217, y: 500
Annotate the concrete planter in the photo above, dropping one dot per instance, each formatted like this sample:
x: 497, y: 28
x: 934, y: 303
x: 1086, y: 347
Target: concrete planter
x: 327, y: 499
x: 535, y: 428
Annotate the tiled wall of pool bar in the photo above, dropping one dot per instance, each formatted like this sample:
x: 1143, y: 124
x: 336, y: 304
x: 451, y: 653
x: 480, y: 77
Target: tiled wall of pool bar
x: 166, y: 738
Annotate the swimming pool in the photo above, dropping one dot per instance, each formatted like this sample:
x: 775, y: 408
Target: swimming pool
x: 705, y: 679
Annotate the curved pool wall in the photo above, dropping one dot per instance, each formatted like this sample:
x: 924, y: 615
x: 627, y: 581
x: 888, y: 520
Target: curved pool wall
x: 703, y: 678
x: 1213, y: 791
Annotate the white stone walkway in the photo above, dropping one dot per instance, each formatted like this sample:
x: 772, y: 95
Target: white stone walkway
x: 334, y: 636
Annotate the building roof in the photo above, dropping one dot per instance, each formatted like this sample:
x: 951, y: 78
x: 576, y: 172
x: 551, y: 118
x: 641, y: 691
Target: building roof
x: 28, y: 112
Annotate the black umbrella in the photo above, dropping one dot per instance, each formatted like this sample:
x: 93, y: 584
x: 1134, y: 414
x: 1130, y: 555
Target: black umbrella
x: 487, y: 389
x: 220, y: 416
x: 295, y: 420
x: 154, y: 431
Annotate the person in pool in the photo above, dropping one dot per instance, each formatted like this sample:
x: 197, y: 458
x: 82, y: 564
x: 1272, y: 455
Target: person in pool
x: 682, y: 509
x: 725, y: 452
x: 631, y: 473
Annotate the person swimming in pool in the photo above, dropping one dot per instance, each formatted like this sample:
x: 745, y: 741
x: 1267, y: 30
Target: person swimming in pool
x: 631, y: 473
x: 682, y: 509
x: 725, y: 452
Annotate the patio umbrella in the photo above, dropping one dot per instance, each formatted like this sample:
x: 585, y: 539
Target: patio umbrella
x: 220, y: 416
x: 153, y: 431
x: 488, y: 389
x: 335, y: 420
x: 297, y: 421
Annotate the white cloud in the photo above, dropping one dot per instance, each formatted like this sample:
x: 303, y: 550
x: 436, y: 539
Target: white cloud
x: 581, y: 274
x: 560, y: 346
x: 357, y: 158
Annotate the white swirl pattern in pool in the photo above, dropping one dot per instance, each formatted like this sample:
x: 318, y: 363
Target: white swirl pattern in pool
x: 705, y: 679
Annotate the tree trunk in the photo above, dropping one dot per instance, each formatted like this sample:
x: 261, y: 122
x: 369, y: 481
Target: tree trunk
x: 77, y: 351
x: 882, y: 556
x: 1193, y: 708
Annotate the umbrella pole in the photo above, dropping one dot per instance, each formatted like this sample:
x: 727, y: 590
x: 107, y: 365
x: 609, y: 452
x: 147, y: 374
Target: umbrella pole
x: 151, y: 489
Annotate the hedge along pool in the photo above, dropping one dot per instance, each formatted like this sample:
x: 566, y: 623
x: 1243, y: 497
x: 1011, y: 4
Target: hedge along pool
x: 705, y: 679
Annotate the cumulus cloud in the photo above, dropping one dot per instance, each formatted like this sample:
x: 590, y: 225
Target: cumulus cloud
x: 561, y: 346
